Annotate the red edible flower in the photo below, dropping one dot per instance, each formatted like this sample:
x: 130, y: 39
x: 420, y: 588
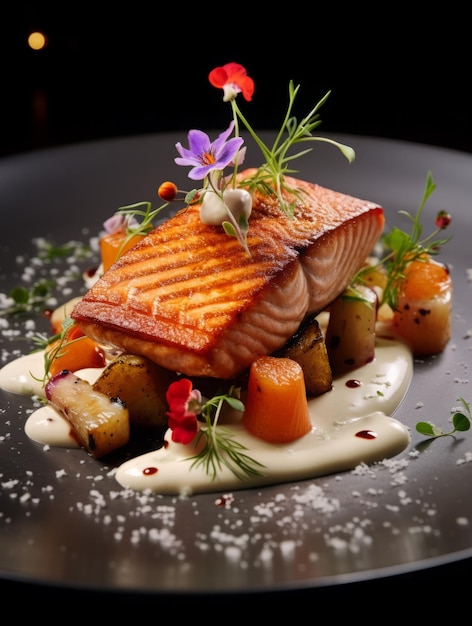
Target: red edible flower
x: 233, y: 79
x: 184, y: 406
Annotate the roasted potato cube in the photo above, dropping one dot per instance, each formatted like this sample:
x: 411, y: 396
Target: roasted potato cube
x: 142, y: 385
x: 307, y: 347
x: 100, y: 424
x: 350, y: 336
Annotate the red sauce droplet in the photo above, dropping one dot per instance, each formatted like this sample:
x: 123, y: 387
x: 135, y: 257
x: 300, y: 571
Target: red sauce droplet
x: 352, y: 383
x: 90, y: 272
x: 366, y: 434
x: 149, y: 471
x: 225, y: 501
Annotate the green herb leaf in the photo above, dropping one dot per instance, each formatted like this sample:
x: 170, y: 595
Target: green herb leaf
x: 428, y: 429
x: 20, y: 295
x: 460, y: 422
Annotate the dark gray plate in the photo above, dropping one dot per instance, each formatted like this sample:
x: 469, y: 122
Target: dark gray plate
x: 78, y: 529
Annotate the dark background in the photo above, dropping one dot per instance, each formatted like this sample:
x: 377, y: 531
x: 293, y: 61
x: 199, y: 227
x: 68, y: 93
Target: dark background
x: 111, y: 70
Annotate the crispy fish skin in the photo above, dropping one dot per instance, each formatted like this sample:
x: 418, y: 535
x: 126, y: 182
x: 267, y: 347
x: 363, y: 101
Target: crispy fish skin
x: 189, y: 297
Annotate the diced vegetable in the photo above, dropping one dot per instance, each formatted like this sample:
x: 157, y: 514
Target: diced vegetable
x: 423, y: 315
x: 113, y: 245
x: 100, y: 424
x: 307, y: 347
x: 350, y: 336
x: 276, y: 408
x: 142, y: 384
x: 74, y: 352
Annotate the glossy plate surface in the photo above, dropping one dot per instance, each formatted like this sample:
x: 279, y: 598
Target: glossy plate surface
x: 65, y: 521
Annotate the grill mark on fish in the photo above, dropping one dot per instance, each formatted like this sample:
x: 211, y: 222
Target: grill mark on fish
x: 188, y: 296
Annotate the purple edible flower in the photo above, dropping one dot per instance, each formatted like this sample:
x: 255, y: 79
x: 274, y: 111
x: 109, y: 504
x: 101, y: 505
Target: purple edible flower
x: 206, y: 156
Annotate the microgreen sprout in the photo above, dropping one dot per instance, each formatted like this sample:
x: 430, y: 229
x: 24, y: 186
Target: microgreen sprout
x: 404, y: 248
x: 460, y: 423
x: 270, y: 176
x: 134, y: 228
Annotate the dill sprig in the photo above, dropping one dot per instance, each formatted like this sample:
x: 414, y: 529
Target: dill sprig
x: 220, y: 447
x: 404, y: 248
x: 270, y: 176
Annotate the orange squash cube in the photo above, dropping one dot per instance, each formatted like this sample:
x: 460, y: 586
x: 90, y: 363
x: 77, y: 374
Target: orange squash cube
x: 76, y: 352
x: 113, y: 245
x: 276, y: 408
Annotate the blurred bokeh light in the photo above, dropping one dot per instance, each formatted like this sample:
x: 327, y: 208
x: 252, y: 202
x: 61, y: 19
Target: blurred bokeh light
x: 107, y: 71
x: 37, y: 40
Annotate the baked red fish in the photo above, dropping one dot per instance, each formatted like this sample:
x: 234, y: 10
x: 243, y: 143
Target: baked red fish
x: 189, y: 297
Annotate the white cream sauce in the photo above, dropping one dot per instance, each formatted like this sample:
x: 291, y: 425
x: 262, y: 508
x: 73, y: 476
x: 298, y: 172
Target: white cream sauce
x: 342, y: 421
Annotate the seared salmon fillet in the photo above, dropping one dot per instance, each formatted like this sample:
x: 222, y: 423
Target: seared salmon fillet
x: 189, y: 297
